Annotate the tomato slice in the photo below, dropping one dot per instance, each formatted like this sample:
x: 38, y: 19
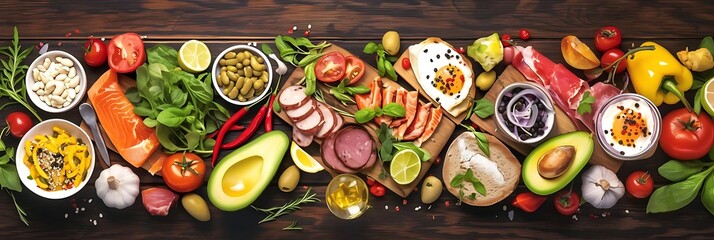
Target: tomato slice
x: 355, y: 69
x: 330, y: 67
x: 126, y: 52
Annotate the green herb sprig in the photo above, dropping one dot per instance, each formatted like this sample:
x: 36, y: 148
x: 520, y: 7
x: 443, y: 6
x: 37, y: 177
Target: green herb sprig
x: 275, y: 212
x: 12, y: 79
x: 390, y: 109
x: 483, y: 108
x: 320, y: 97
x: 300, y: 52
x: 344, y: 93
x: 468, y: 176
x: 585, y: 105
x: 9, y: 178
x: 293, y: 226
x: 482, y: 141
x: 384, y: 60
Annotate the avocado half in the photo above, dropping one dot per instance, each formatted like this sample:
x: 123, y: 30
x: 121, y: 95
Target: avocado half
x: 241, y: 176
x: 583, y: 143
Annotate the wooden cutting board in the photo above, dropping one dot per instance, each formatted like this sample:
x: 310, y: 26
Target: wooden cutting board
x: 434, y: 145
x: 563, y: 122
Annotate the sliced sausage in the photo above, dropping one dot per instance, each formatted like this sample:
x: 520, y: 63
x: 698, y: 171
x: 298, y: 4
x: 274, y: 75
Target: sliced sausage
x: 302, y: 140
x: 354, y: 147
x: 311, y: 124
x: 330, y: 120
x: 303, y: 111
x: 338, y: 124
x: 371, y: 161
x: 329, y: 157
x: 293, y: 97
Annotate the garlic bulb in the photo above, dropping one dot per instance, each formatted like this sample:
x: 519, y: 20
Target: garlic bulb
x: 601, y: 188
x: 117, y: 186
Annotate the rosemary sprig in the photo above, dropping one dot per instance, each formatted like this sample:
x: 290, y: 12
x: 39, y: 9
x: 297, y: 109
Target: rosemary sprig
x: 20, y: 211
x: 320, y: 97
x: 287, y: 208
x: 292, y: 226
x: 13, y: 70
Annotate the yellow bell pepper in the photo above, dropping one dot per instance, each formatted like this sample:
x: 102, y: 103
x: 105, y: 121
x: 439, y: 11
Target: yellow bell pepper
x: 658, y: 76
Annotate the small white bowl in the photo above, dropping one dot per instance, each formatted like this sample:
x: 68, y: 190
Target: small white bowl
x: 30, y: 80
x: 45, y: 128
x: 216, y: 71
x: 550, y: 113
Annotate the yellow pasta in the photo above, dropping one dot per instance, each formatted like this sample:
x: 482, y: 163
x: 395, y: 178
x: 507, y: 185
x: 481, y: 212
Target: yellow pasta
x: 58, y: 161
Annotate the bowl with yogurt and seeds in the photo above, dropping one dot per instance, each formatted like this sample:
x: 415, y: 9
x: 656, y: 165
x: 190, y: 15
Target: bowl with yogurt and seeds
x: 628, y: 127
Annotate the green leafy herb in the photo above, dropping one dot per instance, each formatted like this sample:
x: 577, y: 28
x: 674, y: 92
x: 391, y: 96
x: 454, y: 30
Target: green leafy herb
x: 384, y: 60
x: 177, y: 103
x: 391, y: 109
x: 422, y: 153
x: 698, y: 101
x: 299, y: 51
x: 384, y: 135
x: 468, y: 176
x: 708, y: 193
x: 482, y: 141
x: 483, y: 108
x: 266, y: 49
x: 675, y: 170
x: 287, y: 208
x: 320, y: 97
x: 344, y: 93
x: 292, y: 226
x: 9, y: 178
x: 675, y: 196
x: 585, y: 105
x: 12, y: 79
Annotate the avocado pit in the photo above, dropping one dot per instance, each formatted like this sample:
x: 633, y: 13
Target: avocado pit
x: 556, y: 161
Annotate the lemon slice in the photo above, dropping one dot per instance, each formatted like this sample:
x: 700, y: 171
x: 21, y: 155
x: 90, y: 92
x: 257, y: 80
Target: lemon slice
x: 194, y: 56
x: 405, y: 167
x: 708, y: 97
x: 303, y: 160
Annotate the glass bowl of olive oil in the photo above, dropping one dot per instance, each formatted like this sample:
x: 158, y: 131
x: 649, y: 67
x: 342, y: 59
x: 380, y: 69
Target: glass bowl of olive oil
x: 347, y: 196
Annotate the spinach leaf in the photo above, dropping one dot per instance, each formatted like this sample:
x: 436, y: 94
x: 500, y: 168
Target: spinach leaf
x: 150, y: 122
x: 9, y: 178
x: 171, y: 117
x: 162, y: 54
x: 192, y: 138
x: 708, y: 193
x: 677, y: 195
x: 163, y: 133
x: 5, y: 158
x: 133, y: 95
x: 675, y: 170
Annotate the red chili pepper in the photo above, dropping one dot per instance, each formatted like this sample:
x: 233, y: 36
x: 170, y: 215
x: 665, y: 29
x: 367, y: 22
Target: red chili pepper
x: 245, y: 135
x: 224, y: 129
x: 269, y: 115
x: 232, y: 128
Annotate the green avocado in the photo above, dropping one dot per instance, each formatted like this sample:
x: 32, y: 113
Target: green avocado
x: 241, y: 177
x: 583, y: 143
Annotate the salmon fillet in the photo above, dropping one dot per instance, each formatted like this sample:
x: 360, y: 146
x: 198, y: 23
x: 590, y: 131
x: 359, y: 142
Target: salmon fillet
x: 434, y: 120
x: 134, y: 141
x: 401, y: 98
x: 387, y: 98
x: 417, y: 127
x: 411, y: 108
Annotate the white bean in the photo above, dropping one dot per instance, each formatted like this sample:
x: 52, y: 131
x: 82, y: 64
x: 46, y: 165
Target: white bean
x: 46, y: 99
x: 59, y: 89
x: 77, y: 88
x: 72, y: 93
x: 61, y: 77
x: 57, y: 99
x: 72, y: 72
x: 36, y: 75
x: 41, y: 68
x: 40, y: 92
x: 50, y: 86
x: 53, y: 65
x: 37, y: 86
x: 64, y: 70
x: 74, y: 82
x: 64, y: 94
x: 44, y: 77
x: 67, y: 62
x: 46, y: 63
x: 66, y: 103
x: 53, y: 73
x: 58, y: 59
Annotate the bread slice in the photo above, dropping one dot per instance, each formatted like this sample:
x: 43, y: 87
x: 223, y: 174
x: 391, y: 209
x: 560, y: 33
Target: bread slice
x: 499, y: 172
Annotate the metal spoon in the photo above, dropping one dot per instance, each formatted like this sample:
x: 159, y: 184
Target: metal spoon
x: 90, y: 117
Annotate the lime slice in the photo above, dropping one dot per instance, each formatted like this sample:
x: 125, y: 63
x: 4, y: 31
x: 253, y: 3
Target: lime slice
x: 405, y: 167
x: 303, y: 160
x: 194, y: 56
x: 708, y: 97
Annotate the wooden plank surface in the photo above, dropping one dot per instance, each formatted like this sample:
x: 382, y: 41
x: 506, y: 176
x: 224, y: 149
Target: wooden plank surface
x: 673, y: 24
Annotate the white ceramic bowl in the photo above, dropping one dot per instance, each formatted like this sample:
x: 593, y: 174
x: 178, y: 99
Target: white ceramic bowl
x: 216, y: 71
x: 549, y: 122
x: 30, y: 80
x: 45, y: 128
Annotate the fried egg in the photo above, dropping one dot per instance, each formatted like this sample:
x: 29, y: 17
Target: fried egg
x: 443, y: 74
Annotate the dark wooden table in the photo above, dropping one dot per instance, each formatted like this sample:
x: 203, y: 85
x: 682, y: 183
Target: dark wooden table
x: 350, y: 24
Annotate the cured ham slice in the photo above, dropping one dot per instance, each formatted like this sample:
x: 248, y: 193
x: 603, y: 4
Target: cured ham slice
x: 434, y: 119
x: 417, y: 127
x: 410, y: 114
x: 158, y: 201
x: 562, y: 85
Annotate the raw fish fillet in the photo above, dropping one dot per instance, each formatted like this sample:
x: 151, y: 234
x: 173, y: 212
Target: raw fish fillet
x: 158, y: 201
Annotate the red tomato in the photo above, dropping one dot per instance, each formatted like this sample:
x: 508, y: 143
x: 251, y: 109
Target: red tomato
x: 506, y: 40
x: 95, y: 52
x: 610, y: 56
x: 607, y: 38
x: 330, y: 67
x: 567, y: 203
x: 354, y: 69
x: 406, y: 64
x: 686, y: 136
x: 461, y: 50
x: 528, y: 201
x: 126, y: 52
x: 377, y: 189
x: 639, y: 184
x: 524, y: 34
x: 183, y: 172
x: 19, y: 123
x: 370, y: 181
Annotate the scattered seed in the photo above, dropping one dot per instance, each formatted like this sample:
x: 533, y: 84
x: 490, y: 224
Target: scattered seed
x: 627, y: 211
x: 59, y: 44
x: 104, y: 39
x: 416, y: 209
x: 447, y: 203
x: 90, y: 220
x: 290, y: 31
x: 82, y: 209
x: 404, y: 202
x: 429, y: 208
x: 69, y: 34
x: 396, y: 208
x: 95, y: 222
x: 89, y: 201
x: 510, y: 215
x: 101, y: 215
x: 41, y: 44
x: 386, y: 207
x: 309, y: 26
x: 294, y: 27
x: 504, y: 208
x: 432, y: 217
x: 304, y: 187
x: 575, y: 217
x: 66, y: 215
x: 307, y: 33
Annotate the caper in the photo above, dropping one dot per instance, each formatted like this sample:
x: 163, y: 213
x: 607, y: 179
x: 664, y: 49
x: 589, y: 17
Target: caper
x: 258, y: 84
x: 232, y: 68
x: 230, y: 55
x: 247, y: 86
x: 222, y: 62
x: 233, y: 93
x: 289, y: 179
x: 232, y: 76
x: 248, y: 71
x: 229, y: 62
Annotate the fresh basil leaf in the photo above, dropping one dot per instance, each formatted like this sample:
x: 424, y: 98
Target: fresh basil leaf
x: 385, y: 152
x: 378, y: 111
x: 310, y: 79
x: 389, y: 69
x: 394, y: 110
x: 698, y: 101
x: 197, y: 89
x: 266, y: 49
x: 364, y: 115
x: 172, y: 117
x: 380, y: 68
x: 457, y: 181
x: 482, y: 143
x: 162, y: 54
x: 697, y: 84
x: 675, y: 196
x: 150, y: 122
x: 309, y: 59
x: 9, y: 178
x: 708, y: 193
x: 341, y: 87
x: 708, y: 43
x: 304, y: 42
x: 192, y: 138
x: 422, y: 153
x: 370, y: 48
x: 391, y: 59
x: 483, y: 108
x: 143, y: 111
x: 361, y: 89
x: 675, y: 170
x: 341, y: 96
x: 163, y: 133
x: 5, y: 158
x: 133, y: 95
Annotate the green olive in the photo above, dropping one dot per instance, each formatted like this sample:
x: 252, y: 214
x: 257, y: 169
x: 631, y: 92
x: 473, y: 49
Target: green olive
x: 390, y: 42
x: 230, y: 55
x: 224, y: 69
x: 246, y: 62
x: 240, y: 57
x: 240, y: 81
x: 241, y: 98
x: 256, y: 65
x: 230, y: 62
x: 232, y: 76
x: 226, y: 90
x: 240, y: 72
x: 247, y: 54
x: 196, y: 206
x: 248, y: 71
x: 222, y: 62
x: 257, y: 73
x: 260, y: 60
x: 233, y: 93
x: 224, y: 78
x: 431, y: 190
x: 289, y: 179
x: 247, y: 86
x: 232, y: 68
x: 264, y: 77
x: 250, y: 93
x: 239, y: 65
x: 258, y: 84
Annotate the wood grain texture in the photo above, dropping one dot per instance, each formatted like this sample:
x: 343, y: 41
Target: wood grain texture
x: 350, y: 24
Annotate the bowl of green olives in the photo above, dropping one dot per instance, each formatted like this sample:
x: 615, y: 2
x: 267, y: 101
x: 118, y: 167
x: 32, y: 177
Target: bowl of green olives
x: 242, y: 75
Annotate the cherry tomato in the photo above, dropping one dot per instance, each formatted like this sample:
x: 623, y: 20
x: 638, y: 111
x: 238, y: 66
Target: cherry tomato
x: 406, y: 64
x: 639, y: 184
x: 528, y: 201
x: 95, y: 52
x: 607, y: 38
x: 461, y: 50
x: 307, y: 33
x: 686, y: 136
x: 610, y: 56
x: 370, y: 181
x: 126, y: 52
x: 524, y: 34
x: 183, y: 172
x: 330, y: 67
x: 506, y: 40
x: 354, y: 69
x: 377, y: 189
x: 567, y: 202
x: 19, y: 123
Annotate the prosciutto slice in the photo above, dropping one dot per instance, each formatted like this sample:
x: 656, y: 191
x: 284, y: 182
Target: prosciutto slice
x: 565, y: 88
